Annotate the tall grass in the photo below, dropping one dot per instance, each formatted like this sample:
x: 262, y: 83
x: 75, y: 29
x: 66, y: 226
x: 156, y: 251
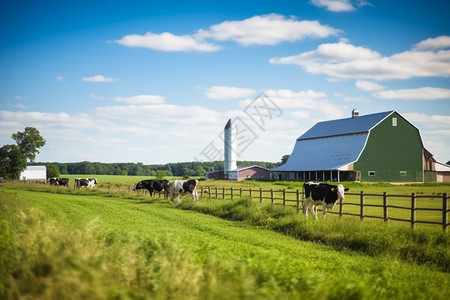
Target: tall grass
x: 85, y: 257
x: 371, y: 238
x: 41, y: 259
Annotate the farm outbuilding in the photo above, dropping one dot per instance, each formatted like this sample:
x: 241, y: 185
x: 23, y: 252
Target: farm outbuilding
x: 241, y: 173
x: 34, y: 173
x: 380, y: 147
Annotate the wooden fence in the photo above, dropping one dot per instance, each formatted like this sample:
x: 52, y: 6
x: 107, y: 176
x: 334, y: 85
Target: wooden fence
x: 424, y: 209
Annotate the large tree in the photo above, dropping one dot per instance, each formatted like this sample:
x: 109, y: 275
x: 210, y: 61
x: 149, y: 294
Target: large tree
x: 12, y: 162
x: 13, y: 158
x: 29, y: 142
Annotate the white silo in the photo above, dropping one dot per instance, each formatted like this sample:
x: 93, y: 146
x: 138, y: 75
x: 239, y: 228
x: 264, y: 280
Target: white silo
x: 229, y: 148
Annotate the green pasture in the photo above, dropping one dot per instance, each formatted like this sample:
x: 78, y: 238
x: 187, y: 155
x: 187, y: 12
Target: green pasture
x: 373, y: 191
x: 108, y: 243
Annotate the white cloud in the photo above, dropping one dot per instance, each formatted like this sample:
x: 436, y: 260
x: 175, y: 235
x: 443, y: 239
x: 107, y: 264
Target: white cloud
x: 441, y: 42
x: 429, y: 121
x: 269, y: 29
x: 98, y: 78
x: 59, y: 78
x: 424, y: 93
x: 368, y: 86
x: 141, y: 99
x: 302, y: 102
x: 345, y: 61
x: 340, y: 5
x: 334, y: 5
x: 167, y: 42
x: 228, y: 92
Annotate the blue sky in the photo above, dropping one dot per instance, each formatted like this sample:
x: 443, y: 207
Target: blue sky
x: 156, y: 81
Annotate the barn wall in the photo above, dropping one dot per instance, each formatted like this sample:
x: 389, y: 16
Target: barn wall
x: 392, y: 153
x: 254, y: 173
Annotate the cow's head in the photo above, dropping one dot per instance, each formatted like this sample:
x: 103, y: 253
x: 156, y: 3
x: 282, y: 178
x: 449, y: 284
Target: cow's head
x: 340, y: 190
x: 138, y: 186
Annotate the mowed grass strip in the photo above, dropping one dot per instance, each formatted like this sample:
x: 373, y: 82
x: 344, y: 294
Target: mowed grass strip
x: 95, y: 247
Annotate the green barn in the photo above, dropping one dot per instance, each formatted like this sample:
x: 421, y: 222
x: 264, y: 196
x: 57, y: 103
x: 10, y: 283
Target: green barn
x: 380, y: 147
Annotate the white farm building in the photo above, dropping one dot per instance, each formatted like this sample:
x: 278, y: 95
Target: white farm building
x: 34, y: 173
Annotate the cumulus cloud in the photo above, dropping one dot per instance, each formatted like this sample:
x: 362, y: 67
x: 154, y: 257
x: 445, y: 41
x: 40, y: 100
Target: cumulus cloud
x: 141, y: 99
x: 440, y: 42
x: 368, y: 86
x: 424, y: 93
x: 429, y: 121
x: 228, y: 92
x: 167, y: 42
x: 267, y: 30
x: 340, y: 5
x: 346, y: 61
x: 334, y: 5
x: 98, y: 78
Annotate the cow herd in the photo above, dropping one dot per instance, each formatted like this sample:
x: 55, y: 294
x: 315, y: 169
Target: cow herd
x: 78, y: 183
x: 315, y: 193
x: 173, y: 189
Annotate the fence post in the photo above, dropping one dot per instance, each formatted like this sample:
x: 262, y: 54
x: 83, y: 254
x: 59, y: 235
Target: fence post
x: 444, y: 212
x: 209, y: 192
x: 413, y: 210
x: 260, y: 195
x: 240, y: 192
x: 361, y: 214
x: 217, y: 193
x: 271, y: 196
x: 385, y: 207
x: 250, y: 193
x: 340, y: 208
x: 298, y: 200
x: 223, y: 193
x: 231, y: 193
x: 284, y: 197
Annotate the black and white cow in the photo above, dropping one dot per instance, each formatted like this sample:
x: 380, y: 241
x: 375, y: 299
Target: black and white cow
x: 53, y: 181
x: 180, y: 187
x: 153, y: 185
x: 85, y: 182
x: 322, y: 193
x: 59, y: 181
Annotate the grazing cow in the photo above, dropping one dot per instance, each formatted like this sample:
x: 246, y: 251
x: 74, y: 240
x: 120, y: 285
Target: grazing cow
x: 321, y: 193
x: 153, y: 185
x: 179, y: 187
x: 85, y: 182
x: 59, y: 181
x: 53, y: 181
x: 63, y: 181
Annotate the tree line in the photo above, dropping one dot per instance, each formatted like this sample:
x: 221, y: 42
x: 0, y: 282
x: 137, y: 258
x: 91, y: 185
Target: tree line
x: 185, y: 169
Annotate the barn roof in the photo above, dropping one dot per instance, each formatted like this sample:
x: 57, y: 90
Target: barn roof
x: 242, y: 168
x: 345, y: 126
x: 330, y: 153
x: 332, y: 145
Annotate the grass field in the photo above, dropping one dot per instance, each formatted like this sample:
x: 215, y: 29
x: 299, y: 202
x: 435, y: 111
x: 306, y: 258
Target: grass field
x: 112, y: 244
x: 351, y: 204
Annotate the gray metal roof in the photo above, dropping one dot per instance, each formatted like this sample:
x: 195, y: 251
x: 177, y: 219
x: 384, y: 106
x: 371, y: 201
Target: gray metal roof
x: 345, y: 126
x: 330, y: 153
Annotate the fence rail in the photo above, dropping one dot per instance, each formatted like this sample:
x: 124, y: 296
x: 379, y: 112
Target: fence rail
x: 433, y: 209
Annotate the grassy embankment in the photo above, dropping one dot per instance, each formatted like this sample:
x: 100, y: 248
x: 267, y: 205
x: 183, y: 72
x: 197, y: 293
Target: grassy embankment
x: 62, y: 243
